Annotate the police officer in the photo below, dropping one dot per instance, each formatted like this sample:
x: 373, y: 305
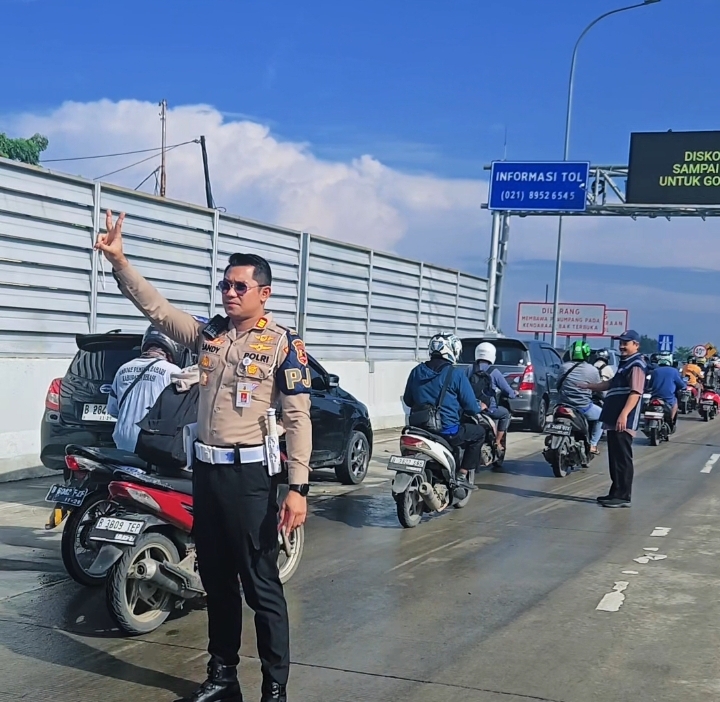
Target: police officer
x: 247, y: 363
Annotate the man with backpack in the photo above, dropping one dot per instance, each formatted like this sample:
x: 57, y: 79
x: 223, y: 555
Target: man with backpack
x: 486, y: 384
x: 138, y: 383
x: 438, y: 395
x: 575, y: 375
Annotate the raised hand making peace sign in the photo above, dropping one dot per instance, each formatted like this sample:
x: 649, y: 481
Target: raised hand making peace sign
x: 111, y: 242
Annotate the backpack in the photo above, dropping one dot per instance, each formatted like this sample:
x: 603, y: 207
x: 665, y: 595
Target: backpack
x: 427, y: 416
x: 482, y: 386
x: 160, y: 442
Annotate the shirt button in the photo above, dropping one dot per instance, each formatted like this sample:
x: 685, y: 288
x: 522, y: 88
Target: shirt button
x: 215, y: 410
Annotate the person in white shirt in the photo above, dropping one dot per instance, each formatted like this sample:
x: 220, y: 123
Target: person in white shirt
x: 602, y: 363
x: 138, y: 384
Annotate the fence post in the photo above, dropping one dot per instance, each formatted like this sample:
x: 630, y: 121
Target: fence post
x: 369, y: 305
x: 301, y: 310
x: 214, y: 260
x: 419, y: 311
x: 95, y: 259
x: 457, y: 301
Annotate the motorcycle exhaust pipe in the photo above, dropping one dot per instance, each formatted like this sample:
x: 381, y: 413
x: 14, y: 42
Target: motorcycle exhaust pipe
x: 430, y: 497
x: 148, y: 570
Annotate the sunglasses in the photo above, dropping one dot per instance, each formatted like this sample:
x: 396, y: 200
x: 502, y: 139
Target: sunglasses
x: 224, y: 286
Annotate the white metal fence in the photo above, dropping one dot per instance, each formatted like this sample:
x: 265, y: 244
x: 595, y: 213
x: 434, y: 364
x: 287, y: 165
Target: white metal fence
x: 347, y: 301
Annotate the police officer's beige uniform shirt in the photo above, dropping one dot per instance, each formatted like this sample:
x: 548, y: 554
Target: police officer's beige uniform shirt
x: 234, y: 363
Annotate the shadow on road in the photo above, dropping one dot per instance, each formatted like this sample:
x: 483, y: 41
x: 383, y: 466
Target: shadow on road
x: 523, y: 492
x: 359, y: 511
x: 533, y: 469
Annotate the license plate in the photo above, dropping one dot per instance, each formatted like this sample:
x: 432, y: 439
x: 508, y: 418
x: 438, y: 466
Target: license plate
x: 709, y: 403
x: 73, y: 497
x: 406, y: 464
x: 653, y: 415
x: 558, y: 429
x: 96, y: 413
x: 120, y: 526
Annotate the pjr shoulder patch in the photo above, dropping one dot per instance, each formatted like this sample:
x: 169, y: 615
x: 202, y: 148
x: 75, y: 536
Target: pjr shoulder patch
x: 293, y: 374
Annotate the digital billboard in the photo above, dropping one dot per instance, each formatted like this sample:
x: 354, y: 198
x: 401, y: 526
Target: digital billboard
x: 674, y: 168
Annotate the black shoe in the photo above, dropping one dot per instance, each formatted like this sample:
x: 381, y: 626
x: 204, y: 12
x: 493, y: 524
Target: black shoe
x: 221, y: 685
x: 604, y: 498
x: 273, y: 692
x: 462, y: 481
x: 615, y: 502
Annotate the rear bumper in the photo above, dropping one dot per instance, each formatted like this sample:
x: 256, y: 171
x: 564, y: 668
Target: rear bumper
x: 522, y: 405
x: 55, y: 436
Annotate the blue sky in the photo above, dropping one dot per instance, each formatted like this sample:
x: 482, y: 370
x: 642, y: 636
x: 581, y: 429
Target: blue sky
x: 426, y: 88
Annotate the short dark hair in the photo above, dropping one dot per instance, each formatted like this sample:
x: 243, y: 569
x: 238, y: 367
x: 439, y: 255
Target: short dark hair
x: 262, y: 274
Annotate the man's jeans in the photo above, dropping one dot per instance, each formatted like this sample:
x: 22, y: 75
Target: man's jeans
x: 592, y: 414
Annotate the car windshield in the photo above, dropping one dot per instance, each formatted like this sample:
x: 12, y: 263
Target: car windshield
x: 508, y: 353
x: 100, y: 365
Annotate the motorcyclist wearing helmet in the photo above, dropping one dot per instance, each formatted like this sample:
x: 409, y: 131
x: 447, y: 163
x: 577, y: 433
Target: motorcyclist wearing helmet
x: 665, y: 383
x: 138, y: 384
x: 486, y: 384
x: 575, y: 375
x: 602, y: 363
x: 424, y: 387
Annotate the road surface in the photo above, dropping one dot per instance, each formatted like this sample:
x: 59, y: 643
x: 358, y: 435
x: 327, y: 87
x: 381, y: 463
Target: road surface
x: 494, y: 603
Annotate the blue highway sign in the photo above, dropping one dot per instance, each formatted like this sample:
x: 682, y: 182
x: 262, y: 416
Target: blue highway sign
x: 666, y: 343
x: 554, y: 186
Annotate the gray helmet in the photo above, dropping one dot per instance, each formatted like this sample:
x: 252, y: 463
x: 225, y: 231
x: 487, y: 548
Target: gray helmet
x: 154, y: 337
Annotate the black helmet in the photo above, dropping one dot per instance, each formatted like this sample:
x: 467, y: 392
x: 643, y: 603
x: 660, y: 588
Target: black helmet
x: 654, y: 358
x: 154, y: 337
x: 603, y: 355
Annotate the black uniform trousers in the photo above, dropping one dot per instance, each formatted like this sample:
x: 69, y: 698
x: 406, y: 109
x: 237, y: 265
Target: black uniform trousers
x: 235, y: 514
x: 620, y: 459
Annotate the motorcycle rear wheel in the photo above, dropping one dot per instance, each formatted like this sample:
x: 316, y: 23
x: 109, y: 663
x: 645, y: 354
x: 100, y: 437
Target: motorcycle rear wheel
x: 466, y: 499
x: 410, y: 505
x: 558, y: 465
x: 705, y: 416
x: 654, y: 437
x: 138, y: 606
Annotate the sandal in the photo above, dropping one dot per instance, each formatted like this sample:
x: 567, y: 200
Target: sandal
x: 595, y: 451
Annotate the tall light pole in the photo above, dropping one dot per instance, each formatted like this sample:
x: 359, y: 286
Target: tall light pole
x: 566, y: 151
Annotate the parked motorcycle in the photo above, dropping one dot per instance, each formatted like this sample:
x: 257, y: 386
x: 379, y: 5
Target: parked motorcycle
x: 567, y: 446
x: 149, y: 554
x: 709, y: 404
x: 657, y: 421
x: 82, y: 500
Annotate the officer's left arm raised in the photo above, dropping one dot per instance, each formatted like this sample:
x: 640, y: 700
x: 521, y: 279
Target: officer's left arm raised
x: 293, y: 382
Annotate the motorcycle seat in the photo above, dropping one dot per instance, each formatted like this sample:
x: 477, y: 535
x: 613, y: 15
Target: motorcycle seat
x: 113, y: 456
x: 183, y: 485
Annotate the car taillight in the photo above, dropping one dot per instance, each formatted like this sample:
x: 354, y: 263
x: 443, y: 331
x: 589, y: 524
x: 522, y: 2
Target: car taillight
x: 52, y: 399
x: 410, y: 441
x: 527, y: 381
x: 72, y: 463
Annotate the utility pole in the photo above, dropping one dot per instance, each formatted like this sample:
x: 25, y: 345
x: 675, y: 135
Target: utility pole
x: 163, y: 120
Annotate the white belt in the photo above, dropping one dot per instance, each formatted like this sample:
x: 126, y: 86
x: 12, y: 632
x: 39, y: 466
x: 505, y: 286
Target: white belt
x: 226, y: 456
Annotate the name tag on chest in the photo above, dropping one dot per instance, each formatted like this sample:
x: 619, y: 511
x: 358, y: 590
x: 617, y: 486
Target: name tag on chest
x: 244, y: 394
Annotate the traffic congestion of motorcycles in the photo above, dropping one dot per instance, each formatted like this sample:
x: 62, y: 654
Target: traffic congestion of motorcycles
x: 127, y: 516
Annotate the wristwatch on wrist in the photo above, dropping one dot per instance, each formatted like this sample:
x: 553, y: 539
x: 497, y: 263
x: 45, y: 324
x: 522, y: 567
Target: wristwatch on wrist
x: 303, y: 489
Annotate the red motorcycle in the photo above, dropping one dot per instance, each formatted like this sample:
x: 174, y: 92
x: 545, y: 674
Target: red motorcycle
x: 709, y: 404
x: 149, y: 554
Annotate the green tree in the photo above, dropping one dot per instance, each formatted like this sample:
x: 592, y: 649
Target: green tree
x: 23, y: 150
x: 682, y: 352
x: 648, y: 344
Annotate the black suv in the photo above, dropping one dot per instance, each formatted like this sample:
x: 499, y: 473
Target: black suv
x: 531, y: 368
x: 76, y: 409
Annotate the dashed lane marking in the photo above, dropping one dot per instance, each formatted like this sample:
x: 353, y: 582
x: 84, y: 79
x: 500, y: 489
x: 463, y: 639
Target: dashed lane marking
x: 711, y: 462
x: 612, y: 601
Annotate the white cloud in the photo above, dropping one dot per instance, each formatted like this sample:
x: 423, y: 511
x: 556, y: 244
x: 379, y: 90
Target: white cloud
x: 259, y: 176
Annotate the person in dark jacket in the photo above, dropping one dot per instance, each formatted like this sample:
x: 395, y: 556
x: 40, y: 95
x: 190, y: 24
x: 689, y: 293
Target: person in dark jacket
x: 424, y: 387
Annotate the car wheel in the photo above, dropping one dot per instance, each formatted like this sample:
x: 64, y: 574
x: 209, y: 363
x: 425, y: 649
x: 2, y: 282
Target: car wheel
x: 538, y: 419
x: 354, y: 468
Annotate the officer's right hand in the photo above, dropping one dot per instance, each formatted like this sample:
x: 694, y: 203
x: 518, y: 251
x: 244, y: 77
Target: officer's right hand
x: 111, y: 242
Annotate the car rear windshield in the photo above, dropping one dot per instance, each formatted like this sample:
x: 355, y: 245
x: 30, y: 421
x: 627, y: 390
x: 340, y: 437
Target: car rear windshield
x: 509, y: 351
x: 100, y: 365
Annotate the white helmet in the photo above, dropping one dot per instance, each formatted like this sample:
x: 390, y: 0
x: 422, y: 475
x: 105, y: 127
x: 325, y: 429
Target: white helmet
x: 446, y: 345
x: 486, y: 352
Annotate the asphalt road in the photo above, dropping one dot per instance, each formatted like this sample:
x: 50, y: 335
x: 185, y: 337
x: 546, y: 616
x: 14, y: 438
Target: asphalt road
x: 494, y: 603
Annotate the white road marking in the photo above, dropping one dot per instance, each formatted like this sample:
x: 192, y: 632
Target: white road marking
x: 661, y: 531
x: 650, y: 557
x: 424, y: 555
x: 630, y: 572
x: 651, y: 548
x: 612, y: 601
x: 711, y: 462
